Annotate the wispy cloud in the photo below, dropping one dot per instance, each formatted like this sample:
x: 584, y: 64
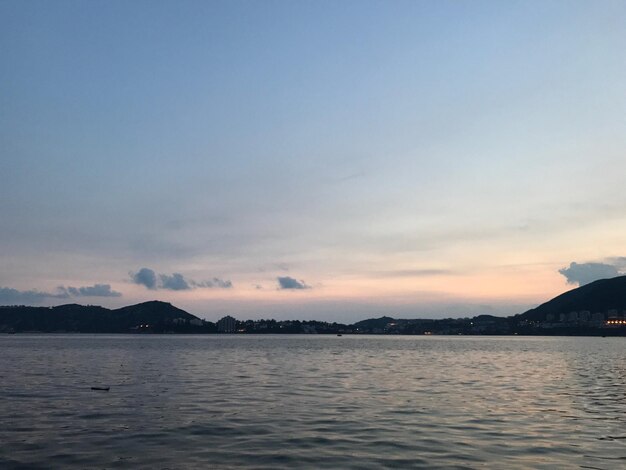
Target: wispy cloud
x: 175, y: 281
x: 215, y: 282
x: 289, y: 283
x: 33, y: 296
x: 97, y: 290
x: 352, y: 176
x: 414, y: 273
x: 12, y: 296
x: 274, y: 267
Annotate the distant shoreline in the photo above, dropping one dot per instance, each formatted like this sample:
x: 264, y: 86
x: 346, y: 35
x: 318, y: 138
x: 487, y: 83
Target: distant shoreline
x: 596, y: 309
x: 614, y: 334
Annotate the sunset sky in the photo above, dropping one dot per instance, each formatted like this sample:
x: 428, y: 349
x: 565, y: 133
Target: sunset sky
x: 308, y: 159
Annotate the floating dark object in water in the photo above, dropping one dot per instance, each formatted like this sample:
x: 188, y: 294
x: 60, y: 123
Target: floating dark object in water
x: 102, y: 389
x: 339, y: 334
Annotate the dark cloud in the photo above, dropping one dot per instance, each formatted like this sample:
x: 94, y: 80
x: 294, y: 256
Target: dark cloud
x: 97, y: 290
x: 145, y: 277
x: 287, y: 283
x: 176, y: 281
x: 584, y: 273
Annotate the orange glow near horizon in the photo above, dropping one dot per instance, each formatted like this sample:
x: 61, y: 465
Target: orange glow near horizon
x: 498, y: 285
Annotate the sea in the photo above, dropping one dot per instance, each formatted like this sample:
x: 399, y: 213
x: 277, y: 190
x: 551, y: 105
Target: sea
x: 311, y: 401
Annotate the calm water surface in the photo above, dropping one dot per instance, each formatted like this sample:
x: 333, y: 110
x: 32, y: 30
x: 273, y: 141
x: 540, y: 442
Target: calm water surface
x: 312, y: 402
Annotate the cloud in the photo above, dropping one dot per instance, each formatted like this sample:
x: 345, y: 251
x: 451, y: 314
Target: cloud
x: 287, y: 283
x: 10, y: 296
x: 274, y: 267
x: 145, y: 277
x: 215, y: 282
x: 176, y: 281
x: 97, y: 290
x: 224, y: 284
x: 618, y: 261
x: 584, y: 273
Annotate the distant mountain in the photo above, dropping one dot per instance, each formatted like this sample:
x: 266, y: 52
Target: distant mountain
x: 374, y: 323
x: 152, y: 312
x: 599, y: 296
x: 154, y: 316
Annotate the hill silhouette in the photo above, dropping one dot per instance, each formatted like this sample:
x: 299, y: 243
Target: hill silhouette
x: 374, y: 323
x: 153, y: 316
x: 599, y: 296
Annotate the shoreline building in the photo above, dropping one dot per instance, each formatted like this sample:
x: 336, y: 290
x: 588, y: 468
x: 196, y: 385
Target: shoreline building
x: 227, y: 324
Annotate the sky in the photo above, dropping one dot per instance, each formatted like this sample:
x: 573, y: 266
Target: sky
x: 330, y: 160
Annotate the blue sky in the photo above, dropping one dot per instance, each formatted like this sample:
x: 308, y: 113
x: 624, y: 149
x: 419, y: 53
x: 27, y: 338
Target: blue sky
x: 411, y: 158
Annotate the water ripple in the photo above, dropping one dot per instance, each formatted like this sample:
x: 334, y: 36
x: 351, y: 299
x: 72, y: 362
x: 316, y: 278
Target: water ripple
x: 266, y: 402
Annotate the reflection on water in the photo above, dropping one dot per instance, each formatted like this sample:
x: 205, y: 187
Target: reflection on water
x: 312, y: 401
